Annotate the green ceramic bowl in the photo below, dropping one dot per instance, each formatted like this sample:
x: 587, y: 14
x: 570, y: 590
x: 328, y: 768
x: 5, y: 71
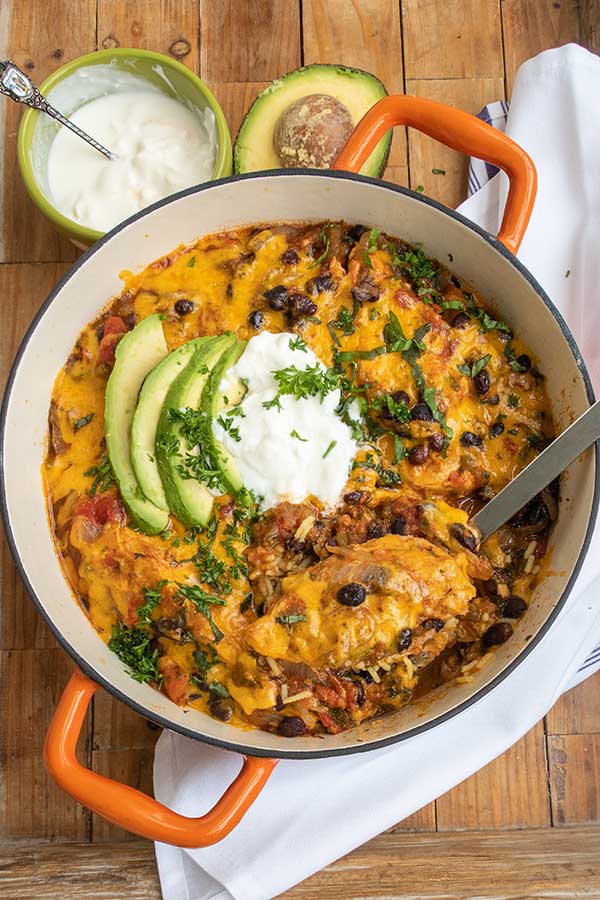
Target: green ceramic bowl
x: 87, y: 77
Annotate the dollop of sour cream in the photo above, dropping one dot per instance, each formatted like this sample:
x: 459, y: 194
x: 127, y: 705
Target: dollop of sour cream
x: 160, y: 147
x: 303, y: 448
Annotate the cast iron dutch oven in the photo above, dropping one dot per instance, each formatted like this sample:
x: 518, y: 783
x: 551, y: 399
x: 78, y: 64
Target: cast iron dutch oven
x: 487, y: 262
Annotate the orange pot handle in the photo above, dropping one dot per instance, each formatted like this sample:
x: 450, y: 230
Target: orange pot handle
x: 461, y: 131
x: 125, y: 806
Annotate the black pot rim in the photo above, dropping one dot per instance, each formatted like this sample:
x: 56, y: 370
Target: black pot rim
x: 235, y: 745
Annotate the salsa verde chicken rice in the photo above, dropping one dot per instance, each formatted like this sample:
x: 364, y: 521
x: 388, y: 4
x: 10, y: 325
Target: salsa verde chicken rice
x: 262, y: 460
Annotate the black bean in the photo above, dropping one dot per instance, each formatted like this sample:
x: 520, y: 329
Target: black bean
x: 221, y: 709
x: 183, y: 307
x: 375, y: 529
x: 276, y: 297
x: 493, y: 400
x: 502, y: 574
x: 404, y: 640
x: 460, y: 320
x: 464, y: 536
x: 418, y: 454
x: 320, y: 283
x: 365, y: 292
x: 352, y: 594
x: 256, y: 319
x: 299, y: 306
x: 468, y: 439
x: 290, y: 257
x: 291, y: 726
x: 356, y: 232
x: 353, y: 497
x: 497, y: 634
x: 482, y: 382
x: 421, y: 413
x: 514, y: 608
x: 360, y: 690
x: 496, y: 429
x: 524, y: 361
x: 437, y: 442
x: 366, y: 676
x: 435, y: 624
x: 295, y: 546
x: 398, y: 525
x: 401, y: 397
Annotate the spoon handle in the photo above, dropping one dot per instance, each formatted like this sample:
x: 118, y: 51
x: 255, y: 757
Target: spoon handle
x: 540, y: 472
x: 18, y: 86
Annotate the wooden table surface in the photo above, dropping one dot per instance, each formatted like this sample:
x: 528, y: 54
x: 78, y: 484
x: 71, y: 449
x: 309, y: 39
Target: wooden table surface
x: 525, y: 826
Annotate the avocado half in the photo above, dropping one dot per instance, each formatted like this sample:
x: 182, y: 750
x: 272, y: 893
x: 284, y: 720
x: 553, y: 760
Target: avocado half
x: 357, y: 90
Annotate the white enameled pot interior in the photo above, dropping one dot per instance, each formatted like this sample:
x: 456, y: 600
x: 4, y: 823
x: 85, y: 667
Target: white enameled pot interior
x: 276, y: 198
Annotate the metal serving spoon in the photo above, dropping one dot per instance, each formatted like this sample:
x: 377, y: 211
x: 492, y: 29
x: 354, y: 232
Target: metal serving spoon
x: 540, y: 472
x: 18, y: 86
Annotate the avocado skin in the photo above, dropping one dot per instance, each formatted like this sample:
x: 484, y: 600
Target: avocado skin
x: 378, y: 161
x: 136, y: 354
x: 190, y: 501
x: 212, y: 404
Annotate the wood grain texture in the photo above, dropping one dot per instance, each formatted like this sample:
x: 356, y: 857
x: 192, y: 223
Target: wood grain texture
x: 38, y: 37
x: 510, y: 792
x: 132, y: 767
x: 545, y: 864
x: 589, y: 24
x: 23, y: 289
x: 530, y: 26
x: 168, y: 26
x: 117, y: 727
x: 577, y: 711
x: 423, y: 819
x: 454, y: 39
x: 256, y: 40
x: 364, y: 34
x: 574, y: 778
x: 32, y: 807
x: 425, y: 154
x: 236, y: 98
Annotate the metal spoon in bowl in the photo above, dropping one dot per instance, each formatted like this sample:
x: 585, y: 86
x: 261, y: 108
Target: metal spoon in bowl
x: 540, y: 472
x: 18, y: 86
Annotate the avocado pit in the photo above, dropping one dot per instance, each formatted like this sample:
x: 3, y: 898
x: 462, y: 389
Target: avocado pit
x: 311, y: 132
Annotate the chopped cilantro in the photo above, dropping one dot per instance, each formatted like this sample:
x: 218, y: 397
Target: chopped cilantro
x: 152, y: 598
x: 371, y: 247
x: 438, y: 171
x: 294, y: 434
x: 83, y: 421
x: 312, y: 381
x: 324, y: 238
x: 228, y: 426
x: 102, y: 475
x: 329, y: 449
x: 513, y: 401
x: 399, y: 450
x: 132, y: 646
x: 297, y: 343
x: 202, y: 600
x: 473, y: 369
x: 290, y: 619
x: 191, y: 262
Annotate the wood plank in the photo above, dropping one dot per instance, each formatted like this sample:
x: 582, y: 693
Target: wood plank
x: 510, y: 792
x: 530, y: 26
x: 364, y: 35
x: 171, y: 27
x: 546, y: 864
x: 32, y: 807
x: 117, y: 727
x: 575, y: 778
x: 255, y: 41
x: 132, y: 767
x: 454, y: 39
x: 397, y: 175
x: 236, y: 99
x: 577, y: 711
x: 425, y: 154
x: 423, y: 819
x: 589, y: 24
x: 38, y: 37
x: 23, y: 287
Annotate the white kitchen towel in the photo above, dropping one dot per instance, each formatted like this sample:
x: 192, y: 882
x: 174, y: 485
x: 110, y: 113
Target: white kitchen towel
x: 314, y: 811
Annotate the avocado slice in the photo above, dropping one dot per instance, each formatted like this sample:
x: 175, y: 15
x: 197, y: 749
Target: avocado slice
x: 214, y: 401
x: 146, y: 416
x: 254, y: 149
x: 189, y: 500
x: 136, y: 354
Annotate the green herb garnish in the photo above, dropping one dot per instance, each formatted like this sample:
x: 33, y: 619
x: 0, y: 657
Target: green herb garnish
x: 313, y: 381
x: 513, y: 401
x: 294, y: 434
x: 102, y: 475
x: 152, y: 597
x: 290, y: 619
x: 228, y: 426
x: 83, y: 421
x: 371, y: 247
x: 132, y: 646
x: 191, y: 262
x: 297, y: 343
x: 473, y: 369
x: 202, y: 601
x: 324, y: 238
x: 329, y: 449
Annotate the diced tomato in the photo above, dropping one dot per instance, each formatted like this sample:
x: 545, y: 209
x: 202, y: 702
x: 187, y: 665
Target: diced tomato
x: 114, y: 329
x: 509, y: 445
x: 101, y: 508
x: 329, y: 723
x: 176, y: 681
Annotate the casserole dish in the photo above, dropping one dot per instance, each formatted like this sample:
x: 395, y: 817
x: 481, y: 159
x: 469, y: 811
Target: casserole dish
x: 482, y: 260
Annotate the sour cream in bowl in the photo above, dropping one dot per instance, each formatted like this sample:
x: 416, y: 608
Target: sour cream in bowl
x: 162, y: 122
